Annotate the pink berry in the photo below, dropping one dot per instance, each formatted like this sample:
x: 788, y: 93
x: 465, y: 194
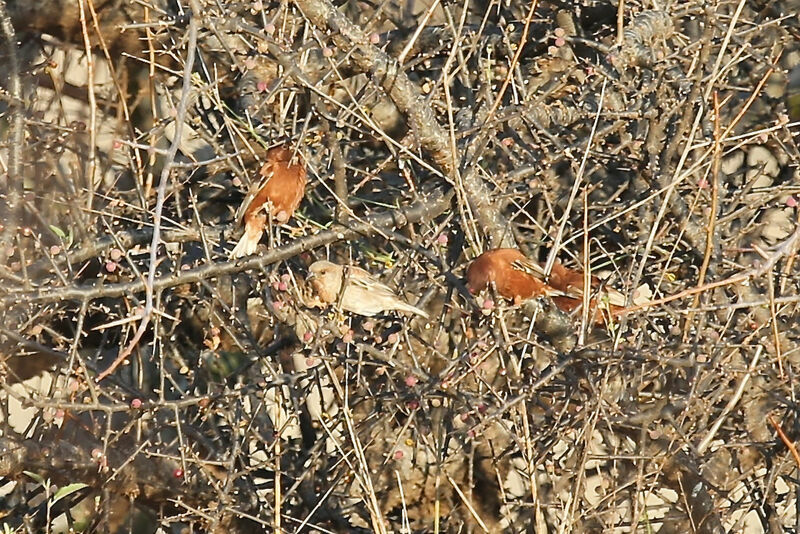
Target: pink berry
x: 136, y: 404
x: 398, y: 455
x: 111, y: 266
x: 488, y: 304
x: 791, y: 202
x: 411, y: 381
x: 442, y: 239
x: 348, y: 337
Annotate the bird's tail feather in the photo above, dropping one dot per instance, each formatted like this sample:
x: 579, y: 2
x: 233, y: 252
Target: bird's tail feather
x: 247, y: 245
x: 403, y: 306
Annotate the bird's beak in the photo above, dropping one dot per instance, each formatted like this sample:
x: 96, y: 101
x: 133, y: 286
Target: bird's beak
x: 310, y: 276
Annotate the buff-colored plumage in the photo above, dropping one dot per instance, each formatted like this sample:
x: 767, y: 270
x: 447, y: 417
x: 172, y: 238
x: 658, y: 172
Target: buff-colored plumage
x: 280, y: 191
x: 363, y: 293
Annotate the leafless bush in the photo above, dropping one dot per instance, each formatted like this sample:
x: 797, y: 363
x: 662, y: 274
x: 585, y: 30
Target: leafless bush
x: 151, y: 383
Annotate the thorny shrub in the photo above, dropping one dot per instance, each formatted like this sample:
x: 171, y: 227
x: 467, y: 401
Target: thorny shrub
x: 149, y: 382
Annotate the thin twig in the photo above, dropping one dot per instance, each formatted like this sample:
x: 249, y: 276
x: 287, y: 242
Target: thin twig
x: 426, y: 209
x: 785, y: 439
x: 712, y: 432
x: 712, y: 215
x: 14, y: 183
x: 787, y: 248
x: 180, y: 118
x: 91, y: 175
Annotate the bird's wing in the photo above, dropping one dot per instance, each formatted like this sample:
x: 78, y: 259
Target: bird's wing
x: 370, y: 283
x: 537, y: 271
x: 379, y: 291
x: 264, y: 176
x: 405, y: 306
x: 530, y: 267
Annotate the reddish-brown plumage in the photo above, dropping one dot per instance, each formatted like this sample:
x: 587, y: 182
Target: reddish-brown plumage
x: 511, y: 283
x: 280, y: 190
x: 283, y: 185
x: 517, y: 278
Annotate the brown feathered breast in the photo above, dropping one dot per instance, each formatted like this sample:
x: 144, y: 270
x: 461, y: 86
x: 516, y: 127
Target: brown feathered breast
x: 282, y: 185
x: 281, y: 189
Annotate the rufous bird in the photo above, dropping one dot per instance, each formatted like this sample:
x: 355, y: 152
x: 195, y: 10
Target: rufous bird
x: 278, y: 194
x: 363, y: 294
x: 518, y: 278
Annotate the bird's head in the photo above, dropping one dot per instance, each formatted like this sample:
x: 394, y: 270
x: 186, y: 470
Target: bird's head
x: 477, y: 277
x: 325, y: 279
x: 281, y: 154
x: 322, y: 269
